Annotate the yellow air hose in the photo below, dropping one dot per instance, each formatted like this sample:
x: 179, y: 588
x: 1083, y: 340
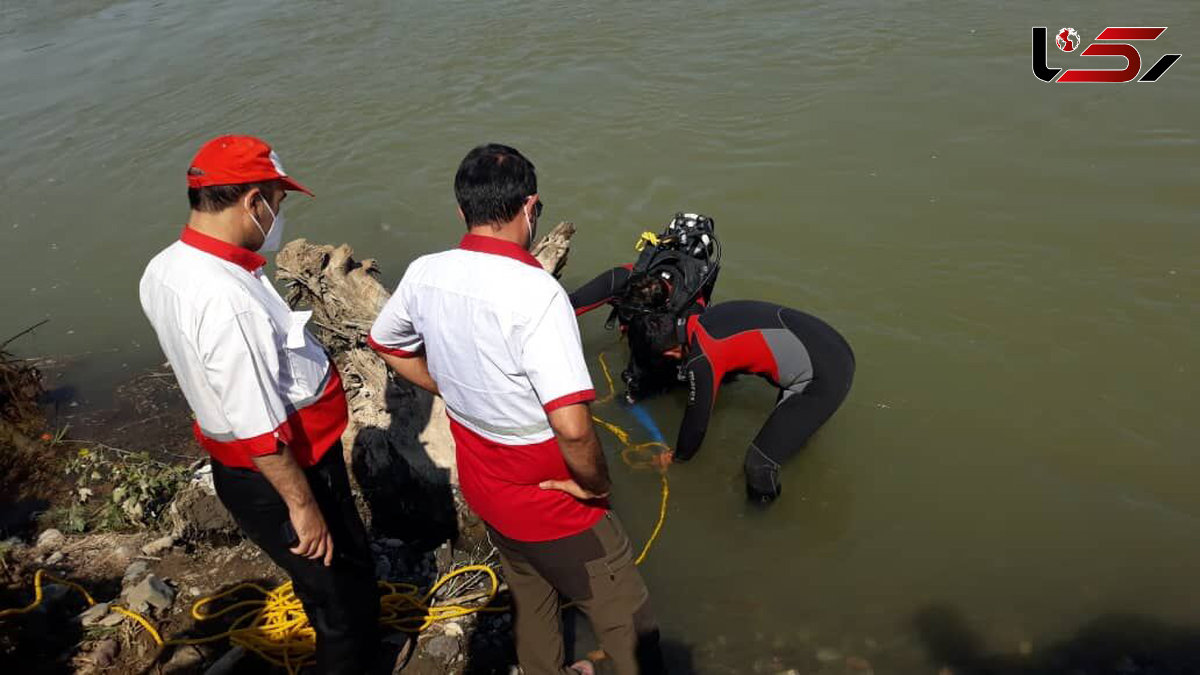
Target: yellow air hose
x: 274, y: 626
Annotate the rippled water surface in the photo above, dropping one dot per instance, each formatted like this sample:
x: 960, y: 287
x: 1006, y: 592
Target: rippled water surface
x: 1015, y: 264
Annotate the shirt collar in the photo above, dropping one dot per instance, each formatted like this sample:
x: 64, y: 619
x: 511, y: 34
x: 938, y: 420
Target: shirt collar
x: 242, y: 257
x: 481, y: 244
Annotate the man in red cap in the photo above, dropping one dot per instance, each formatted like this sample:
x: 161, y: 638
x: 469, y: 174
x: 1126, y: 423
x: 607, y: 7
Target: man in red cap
x: 268, y: 402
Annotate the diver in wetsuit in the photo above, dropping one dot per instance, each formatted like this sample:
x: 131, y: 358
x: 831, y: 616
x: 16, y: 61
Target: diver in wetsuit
x: 684, y: 259
x: 809, y: 361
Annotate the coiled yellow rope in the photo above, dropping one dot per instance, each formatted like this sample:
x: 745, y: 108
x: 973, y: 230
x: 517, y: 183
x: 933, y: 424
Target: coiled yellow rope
x: 275, y: 626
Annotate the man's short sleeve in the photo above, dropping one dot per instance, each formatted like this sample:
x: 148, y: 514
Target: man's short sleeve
x: 242, y: 364
x: 393, y: 331
x: 552, y: 356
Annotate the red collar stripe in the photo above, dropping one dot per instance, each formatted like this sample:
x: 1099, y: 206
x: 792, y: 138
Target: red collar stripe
x: 243, y: 257
x: 481, y: 244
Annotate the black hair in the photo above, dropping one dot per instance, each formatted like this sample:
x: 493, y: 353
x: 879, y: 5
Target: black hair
x: 653, y: 334
x: 646, y: 292
x: 492, y: 183
x: 217, y: 198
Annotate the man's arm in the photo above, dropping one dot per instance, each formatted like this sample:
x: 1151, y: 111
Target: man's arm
x: 412, y: 368
x: 250, y: 394
x: 602, y: 290
x: 552, y: 357
x: 581, y: 450
x: 280, y: 469
x: 395, y: 338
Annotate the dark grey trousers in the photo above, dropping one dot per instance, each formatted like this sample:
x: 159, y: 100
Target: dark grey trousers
x: 595, y: 570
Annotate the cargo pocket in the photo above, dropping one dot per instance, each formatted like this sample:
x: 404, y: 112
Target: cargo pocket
x: 617, y: 588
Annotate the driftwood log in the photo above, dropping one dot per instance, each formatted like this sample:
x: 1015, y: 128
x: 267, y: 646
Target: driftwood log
x: 20, y: 386
x: 398, y: 443
x: 21, y: 391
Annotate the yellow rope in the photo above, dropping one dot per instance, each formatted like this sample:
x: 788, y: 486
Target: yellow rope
x: 275, y: 626
x: 629, y: 455
x: 647, y: 238
x: 37, y: 594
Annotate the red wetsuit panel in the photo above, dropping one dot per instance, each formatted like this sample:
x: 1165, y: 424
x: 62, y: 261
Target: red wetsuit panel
x: 745, y: 352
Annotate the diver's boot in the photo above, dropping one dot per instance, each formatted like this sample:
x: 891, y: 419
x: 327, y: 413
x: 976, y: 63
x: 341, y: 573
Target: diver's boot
x: 762, y: 484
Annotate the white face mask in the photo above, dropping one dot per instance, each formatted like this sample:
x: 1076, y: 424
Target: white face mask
x: 274, y: 238
x: 532, y: 229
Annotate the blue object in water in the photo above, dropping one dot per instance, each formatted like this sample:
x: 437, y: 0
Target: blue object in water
x: 643, y: 417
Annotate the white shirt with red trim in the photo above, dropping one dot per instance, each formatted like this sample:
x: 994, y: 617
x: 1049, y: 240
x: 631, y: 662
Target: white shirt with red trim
x: 502, y: 342
x: 252, y: 374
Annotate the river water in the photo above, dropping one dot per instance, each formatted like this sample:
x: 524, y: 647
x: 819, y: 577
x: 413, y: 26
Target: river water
x: 1015, y: 264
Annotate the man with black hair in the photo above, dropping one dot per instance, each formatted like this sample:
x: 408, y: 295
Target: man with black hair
x: 268, y: 402
x: 809, y: 361
x: 489, y: 330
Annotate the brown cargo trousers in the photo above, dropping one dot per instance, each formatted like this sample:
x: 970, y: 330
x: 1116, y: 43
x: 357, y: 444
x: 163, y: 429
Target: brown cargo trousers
x: 595, y: 570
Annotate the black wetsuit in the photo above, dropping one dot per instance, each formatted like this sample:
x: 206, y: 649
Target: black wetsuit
x: 602, y: 290
x: 809, y: 361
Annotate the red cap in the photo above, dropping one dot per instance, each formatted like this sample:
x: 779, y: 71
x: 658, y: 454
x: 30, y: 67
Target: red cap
x: 233, y: 160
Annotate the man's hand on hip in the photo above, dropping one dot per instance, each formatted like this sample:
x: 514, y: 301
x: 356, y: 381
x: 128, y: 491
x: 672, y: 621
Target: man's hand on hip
x: 581, y: 450
x: 572, y: 488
